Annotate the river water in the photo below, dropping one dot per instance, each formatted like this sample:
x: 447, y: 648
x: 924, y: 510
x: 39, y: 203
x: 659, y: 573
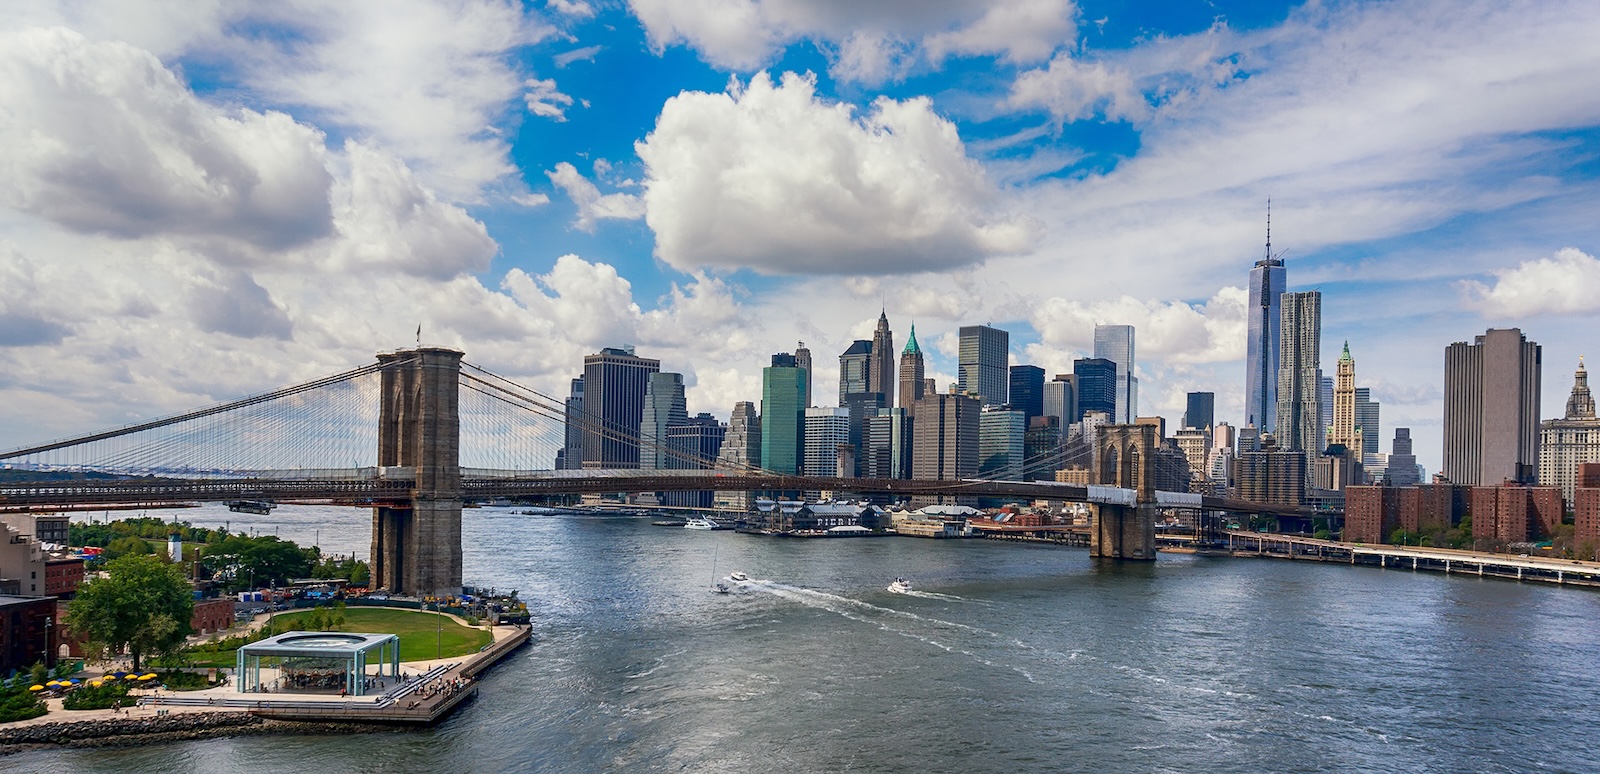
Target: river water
x: 1009, y: 657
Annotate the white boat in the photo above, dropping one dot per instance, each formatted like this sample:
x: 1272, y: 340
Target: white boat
x: 738, y: 577
x: 699, y: 523
x: 900, y: 586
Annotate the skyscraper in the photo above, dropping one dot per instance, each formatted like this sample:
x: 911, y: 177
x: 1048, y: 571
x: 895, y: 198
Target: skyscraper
x: 1200, y: 410
x: 571, y: 457
x: 1115, y: 343
x: 1491, y: 408
x: 1324, y: 403
x: 1060, y: 400
x: 695, y: 443
x: 881, y: 372
x: 827, y: 428
x: 1402, y: 467
x: 802, y: 359
x: 741, y: 451
x: 855, y: 369
x: 663, y: 407
x: 911, y: 369
x: 1001, y: 435
x: 614, y: 382
x: 886, y: 450
x: 783, y: 387
x: 1345, y: 430
x: 1299, y: 375
x: 945, y: 440
x: 1368, y: 420
x: 1027, y: 390
x: 1267, y: 284
x: 1097, y: 385
x: 982, y: 362
x: 1566, y: 443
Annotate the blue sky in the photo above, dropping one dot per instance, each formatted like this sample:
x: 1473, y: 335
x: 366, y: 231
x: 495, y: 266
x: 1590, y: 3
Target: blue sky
x: 207, y: 199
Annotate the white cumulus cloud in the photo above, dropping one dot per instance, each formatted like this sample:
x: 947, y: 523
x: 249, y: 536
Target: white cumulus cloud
x: 1565, y: 283
x: 544, y: 99
x: 770, y: 177
x: 1173, y: 331
x: 592, y: 205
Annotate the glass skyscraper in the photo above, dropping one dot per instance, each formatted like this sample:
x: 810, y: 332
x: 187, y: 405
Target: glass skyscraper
x: 1097, y: 385
x: 983, y: 361
x: 783, y: 391
x: 1115, y: 343
x: 1261, y: 346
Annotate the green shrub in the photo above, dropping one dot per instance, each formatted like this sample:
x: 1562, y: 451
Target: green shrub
x: 183, y: 681
x: 88, y: 697
x: 18, y: 703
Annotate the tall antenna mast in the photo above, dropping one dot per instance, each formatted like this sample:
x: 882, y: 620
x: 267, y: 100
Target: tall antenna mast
x: 1269, y: 228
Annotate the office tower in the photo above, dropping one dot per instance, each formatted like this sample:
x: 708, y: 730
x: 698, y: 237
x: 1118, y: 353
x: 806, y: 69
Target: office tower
x: 1324, y: 403
x: 945, y: 441
x: 911, y: 372
x: 1200, y: 410
x: 1001, y: 434
x: 982, y: 363
x: 1159, y: 423
x: 1401, y: 469
x: 783, y: 389
x: 740, y: 452
x: 1491, y: 408
x: 1566, y: 443
x: 1041, y: 448
x: 826, y: 429
x: 855, y: 368
x: 802, y: 359
x: 1267, y: 285
x: 663, y: 407
x: 785, y: 360
x: 571, y: 456
x: 1060, y: 400
x: 695, y: 443
x: 1195, y: 443
x: 886, y: 449
x: 1115, y: 343
x: 1027, y: 390
x: 1097, y: 386
x: 1224, y: 436
x: 614, y: 382
x: 1271, y: 474
x: 1367, y: 420
x: 1344, y: 430
x: 1299, y: 375
x: 881, y: 372
x: 861, y: 406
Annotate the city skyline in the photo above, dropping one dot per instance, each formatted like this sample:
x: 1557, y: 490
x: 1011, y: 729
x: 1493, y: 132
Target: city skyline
x: 531, y: 215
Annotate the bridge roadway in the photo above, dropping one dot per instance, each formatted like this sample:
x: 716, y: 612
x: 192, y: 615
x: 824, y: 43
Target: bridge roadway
x: 393, y: 486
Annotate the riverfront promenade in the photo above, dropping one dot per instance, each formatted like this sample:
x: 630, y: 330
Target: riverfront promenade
x: 1565, y: 572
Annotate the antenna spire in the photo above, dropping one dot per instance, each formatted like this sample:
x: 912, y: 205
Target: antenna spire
x: 1269, y: 228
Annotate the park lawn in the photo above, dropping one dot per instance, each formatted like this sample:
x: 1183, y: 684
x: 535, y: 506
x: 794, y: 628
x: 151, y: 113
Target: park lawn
x: 420, y: 633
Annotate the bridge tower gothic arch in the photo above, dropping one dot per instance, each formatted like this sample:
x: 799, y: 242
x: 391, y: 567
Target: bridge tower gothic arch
x: 416, y: 545
x: 1125, y: 457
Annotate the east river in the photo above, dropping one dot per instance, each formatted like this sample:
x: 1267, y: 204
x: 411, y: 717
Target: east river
x: 1007, y: 658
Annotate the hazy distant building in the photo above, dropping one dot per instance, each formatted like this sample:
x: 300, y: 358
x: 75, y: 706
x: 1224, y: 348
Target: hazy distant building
x: 1566, y: 443
x: 571, y: 455
x: 1001, y: 442
x: 1368, y: 420
x: 1097, y: 385
x: 826, y: 428
x: 945, y: 441
x: 783, y: 386
x: 1491, y: 408
x: 1061, y: 400
x: 1267, y: 284
x: 614, y: 383
x: 1324, y: 403
x: 1300, y: 374
x: 1200, y: 410
x: 664, y: 407
x: 861, y: 406
x: 982, y: 363
x: 1027, y: 390
x: 1401, y: 467
x: 1115, y: 343
x: 855, y: 368
x: 695, y: 443
x: 740, y: 452
x: 1041, y: 447
x: 911, y: 372
x: 886, y: 450
x: 881, y: 371
x: 802, y: 359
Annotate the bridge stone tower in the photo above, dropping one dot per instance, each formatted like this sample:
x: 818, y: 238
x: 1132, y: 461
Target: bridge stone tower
x: 1126, y: 457
x: 416, y: 546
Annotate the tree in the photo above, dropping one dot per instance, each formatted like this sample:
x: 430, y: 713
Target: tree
x: 143, y: 605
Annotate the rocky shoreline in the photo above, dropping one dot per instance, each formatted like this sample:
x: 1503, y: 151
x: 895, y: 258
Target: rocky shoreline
x: 126, y: 732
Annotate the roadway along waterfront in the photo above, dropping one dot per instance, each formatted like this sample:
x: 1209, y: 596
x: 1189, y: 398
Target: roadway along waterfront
x: 1008, y: 657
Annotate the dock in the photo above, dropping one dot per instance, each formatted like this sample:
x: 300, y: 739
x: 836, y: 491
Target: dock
x: 1535, y: 569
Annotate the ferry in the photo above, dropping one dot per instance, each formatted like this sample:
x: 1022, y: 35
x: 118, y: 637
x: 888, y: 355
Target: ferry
x: 700, y: 523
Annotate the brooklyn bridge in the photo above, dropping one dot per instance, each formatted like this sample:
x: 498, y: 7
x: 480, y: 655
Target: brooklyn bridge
x: 421, y: 432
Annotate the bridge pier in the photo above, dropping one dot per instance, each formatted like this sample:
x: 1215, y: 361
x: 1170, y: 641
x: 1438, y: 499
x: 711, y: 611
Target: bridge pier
x: 1122, y: 532
x: 1125, y: 457
x: 416, y: 545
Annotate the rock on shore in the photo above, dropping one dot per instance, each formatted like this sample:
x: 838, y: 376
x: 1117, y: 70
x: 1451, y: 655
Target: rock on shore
x: 122, y: 732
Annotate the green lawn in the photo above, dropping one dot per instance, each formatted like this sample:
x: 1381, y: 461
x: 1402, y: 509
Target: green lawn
x: 420, y: 633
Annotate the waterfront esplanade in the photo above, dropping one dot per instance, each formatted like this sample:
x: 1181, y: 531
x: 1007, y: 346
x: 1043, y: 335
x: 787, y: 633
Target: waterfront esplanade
x: 317, y: 662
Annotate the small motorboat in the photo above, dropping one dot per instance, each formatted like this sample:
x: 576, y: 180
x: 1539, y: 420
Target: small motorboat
x: 900, y: 586
x: 738, y: 577
x: 699, y: 523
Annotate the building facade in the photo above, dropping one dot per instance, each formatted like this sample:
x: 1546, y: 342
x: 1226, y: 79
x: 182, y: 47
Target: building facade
x: 1401, y: 467
x: 1199, y: 410
x: 1097, y: 386
x: 911, y: 372
x: 827, y: 428
x: 740, y: 452
x: 614, y: 383
x: 664, y: 407
x: 571, y: 454
x: 855, y: 369
x: 982, y: 363
x: 1115, y: 343
x: 696, y: 444
x: 1267, y: 285
x: 1027, y: 390
x: 945, y: 440
x: 1491, y: 409
x: 783, y: 389
x: 886, y: 451
x: 1512, y: 513
x: 1002, y: 434
x: 1061, y: 400
x: 881, y: 372
x: 1300, y: 374
x: 802, y: 359
x: 1566, y: 443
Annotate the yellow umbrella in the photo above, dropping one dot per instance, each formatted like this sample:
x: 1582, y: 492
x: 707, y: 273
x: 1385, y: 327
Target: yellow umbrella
x: 94, y: 683
x: 35, y: 687
x: 150, y: 676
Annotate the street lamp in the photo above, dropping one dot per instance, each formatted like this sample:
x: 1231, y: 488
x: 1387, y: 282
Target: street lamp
x: 47, y: 649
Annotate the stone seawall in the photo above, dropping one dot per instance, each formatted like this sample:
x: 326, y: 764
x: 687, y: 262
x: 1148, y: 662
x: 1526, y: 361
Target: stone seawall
x: 122, y: 732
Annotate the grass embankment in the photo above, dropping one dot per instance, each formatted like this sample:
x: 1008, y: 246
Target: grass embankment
x: 421, y: 633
